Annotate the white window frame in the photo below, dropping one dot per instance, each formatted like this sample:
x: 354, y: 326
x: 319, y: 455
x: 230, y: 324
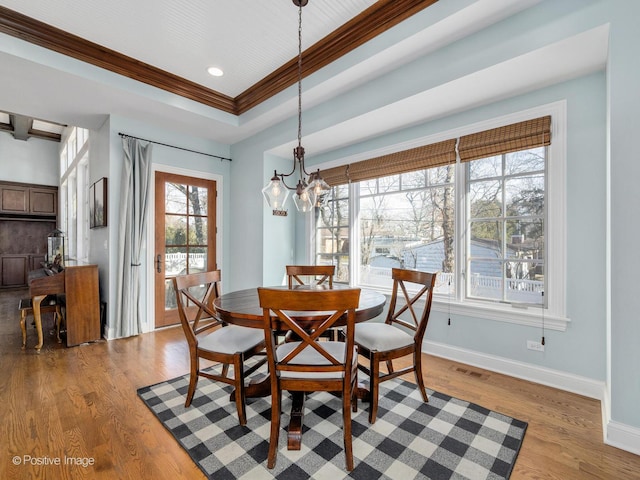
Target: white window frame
x: 554, y: 314
x: 76, y: 160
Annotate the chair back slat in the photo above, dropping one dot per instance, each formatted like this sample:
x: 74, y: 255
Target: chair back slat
x: 327, y: 307
x: 197, y: 313
x: 320, y: 273
x: 419, y: 314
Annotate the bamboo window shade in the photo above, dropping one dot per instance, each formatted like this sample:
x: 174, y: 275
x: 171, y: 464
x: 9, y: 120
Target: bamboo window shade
x: 511, y: 138
x: 426, y: 156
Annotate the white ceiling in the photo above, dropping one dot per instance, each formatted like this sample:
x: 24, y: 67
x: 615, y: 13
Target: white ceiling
x: 249, y: 39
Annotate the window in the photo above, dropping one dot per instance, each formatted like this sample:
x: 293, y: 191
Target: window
x: 483, y: 220
x: 506, y: 218
x: 74, y: 188
x: 406, y: 221
x: 332, y: 235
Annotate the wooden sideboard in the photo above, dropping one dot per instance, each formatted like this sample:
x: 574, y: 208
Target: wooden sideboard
x: 79, y: 285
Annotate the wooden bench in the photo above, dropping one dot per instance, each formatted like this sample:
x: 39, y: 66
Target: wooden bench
x: 49, y: 305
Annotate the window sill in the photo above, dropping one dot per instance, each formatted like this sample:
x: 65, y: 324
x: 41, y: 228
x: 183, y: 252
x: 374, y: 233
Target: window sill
x: 530, y: 316
x: 521, y: 315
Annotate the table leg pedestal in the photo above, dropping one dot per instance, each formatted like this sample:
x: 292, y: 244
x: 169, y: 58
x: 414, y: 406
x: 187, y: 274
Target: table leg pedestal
x: 296, y: 419
x: 260, y: 386
x: 362, y: 391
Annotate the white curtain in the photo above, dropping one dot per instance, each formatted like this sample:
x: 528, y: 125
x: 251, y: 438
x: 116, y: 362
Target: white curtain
x: 136, y: 179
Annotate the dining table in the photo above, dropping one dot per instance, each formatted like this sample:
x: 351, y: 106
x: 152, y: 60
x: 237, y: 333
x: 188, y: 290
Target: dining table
x: 242, y: 308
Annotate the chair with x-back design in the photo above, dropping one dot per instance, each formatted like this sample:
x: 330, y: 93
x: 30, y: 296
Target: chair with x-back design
x: 383, y: 342
x: 308, y: 365
x: 318, y: 273
x: 312, y: 275
x: 209, y: 338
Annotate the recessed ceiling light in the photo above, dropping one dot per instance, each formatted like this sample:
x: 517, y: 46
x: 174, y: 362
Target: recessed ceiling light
x: 215, y: 71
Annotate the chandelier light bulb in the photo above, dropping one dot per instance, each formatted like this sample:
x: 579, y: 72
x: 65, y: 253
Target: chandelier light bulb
x: 274, y: 194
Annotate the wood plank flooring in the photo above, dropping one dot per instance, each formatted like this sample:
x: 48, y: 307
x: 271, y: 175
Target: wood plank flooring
x: 81, y: 403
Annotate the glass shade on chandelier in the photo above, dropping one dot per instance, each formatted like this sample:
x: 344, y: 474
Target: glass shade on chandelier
x: 304, y: 198
x: 275, y: 193
x: 319, y: 189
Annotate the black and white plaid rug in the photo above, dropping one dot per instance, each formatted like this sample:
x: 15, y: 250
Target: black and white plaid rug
x: 446, y: 438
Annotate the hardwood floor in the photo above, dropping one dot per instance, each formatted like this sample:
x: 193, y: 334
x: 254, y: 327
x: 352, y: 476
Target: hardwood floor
x: 81, y: 403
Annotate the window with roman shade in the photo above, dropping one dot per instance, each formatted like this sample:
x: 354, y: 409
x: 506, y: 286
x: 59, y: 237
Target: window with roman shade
x: 402, y: 209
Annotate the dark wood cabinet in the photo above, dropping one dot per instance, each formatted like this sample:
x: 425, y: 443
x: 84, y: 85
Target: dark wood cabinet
x: 14, y: 199
x: 28, y: 200
x: 28, y: 213
x: 23, y: 246
x: 36, y: 260
x: 43, y: 201
x: 13, y: 270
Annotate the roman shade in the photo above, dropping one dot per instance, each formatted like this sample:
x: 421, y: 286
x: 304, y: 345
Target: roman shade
x: 496, y: 141
x: 426, y: 156
x: 511, y: 138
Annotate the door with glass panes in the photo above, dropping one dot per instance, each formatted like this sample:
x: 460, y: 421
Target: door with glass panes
x: 185, y: 226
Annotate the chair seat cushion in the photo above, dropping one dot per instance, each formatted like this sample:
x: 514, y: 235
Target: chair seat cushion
x: 310, y: 356
x: 380, y: 337
x: 231, y: 339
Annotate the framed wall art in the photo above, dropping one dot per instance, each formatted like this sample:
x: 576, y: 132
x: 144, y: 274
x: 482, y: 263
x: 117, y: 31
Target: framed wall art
x: 98, y: 204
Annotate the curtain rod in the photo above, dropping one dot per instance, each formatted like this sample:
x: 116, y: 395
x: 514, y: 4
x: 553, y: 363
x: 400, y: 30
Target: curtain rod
x: 173, y: 146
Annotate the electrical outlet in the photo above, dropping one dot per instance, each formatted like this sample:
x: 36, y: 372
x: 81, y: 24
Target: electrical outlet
x: 533, y: 345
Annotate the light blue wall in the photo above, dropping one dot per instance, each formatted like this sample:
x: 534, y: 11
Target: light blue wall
x: 259, y: 243
x: 99, y: 238
x: 29, y: 161
x: 582, y: 349
x: 624, y: 105
x: 278, y: 231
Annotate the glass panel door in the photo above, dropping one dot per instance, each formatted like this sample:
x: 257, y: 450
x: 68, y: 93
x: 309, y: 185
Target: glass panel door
x: 185, y: 236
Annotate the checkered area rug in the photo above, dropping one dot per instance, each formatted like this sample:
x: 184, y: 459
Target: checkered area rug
x: 446, y: 438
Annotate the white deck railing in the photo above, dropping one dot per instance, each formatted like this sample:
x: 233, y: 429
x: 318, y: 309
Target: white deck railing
x: 176, y: 263
x: 518, y: 290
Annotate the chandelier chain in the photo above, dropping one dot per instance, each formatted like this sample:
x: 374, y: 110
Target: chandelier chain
x: 308, y: 192
x: 300, y: 75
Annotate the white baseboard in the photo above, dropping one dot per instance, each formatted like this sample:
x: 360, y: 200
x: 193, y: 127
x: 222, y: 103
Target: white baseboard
x: 616, y: 434
x: 545, y: 376
x: 622, y: 436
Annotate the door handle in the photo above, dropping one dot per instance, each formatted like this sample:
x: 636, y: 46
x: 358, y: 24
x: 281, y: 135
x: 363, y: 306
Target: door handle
x: 159, y: 264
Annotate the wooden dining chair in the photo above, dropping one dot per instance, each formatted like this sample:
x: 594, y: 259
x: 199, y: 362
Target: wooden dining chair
x: 210, y: 339
x: 312, y: 275
x: 309, y: 365
x: 319, y: 274
x: 383, y: 342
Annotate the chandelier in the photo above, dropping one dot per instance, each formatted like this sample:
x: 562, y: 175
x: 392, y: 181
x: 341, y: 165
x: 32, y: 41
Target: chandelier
x: 308, y: 194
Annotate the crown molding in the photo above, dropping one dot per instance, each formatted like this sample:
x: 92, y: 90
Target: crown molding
x: 370, y: 23
x: 52, y: 38
x: 373, y: 21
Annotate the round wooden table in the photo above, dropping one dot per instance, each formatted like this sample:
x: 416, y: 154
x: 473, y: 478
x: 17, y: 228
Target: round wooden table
x: 243, y: 308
